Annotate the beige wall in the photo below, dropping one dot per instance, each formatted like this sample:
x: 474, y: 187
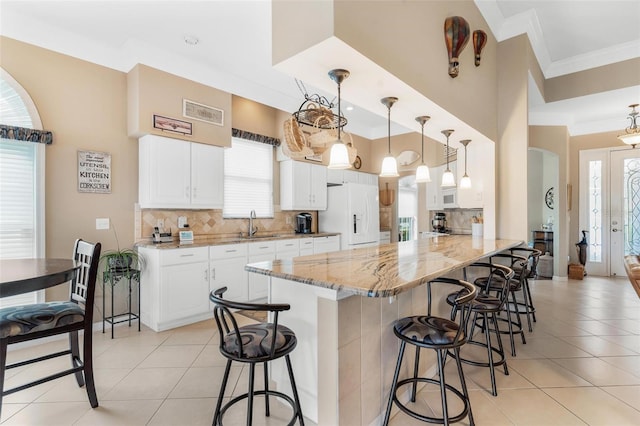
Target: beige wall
x: 151, y: 91
x: 411, y: 46
x: 85, y: 106
x: 595, y: 80
x: 511, y: 173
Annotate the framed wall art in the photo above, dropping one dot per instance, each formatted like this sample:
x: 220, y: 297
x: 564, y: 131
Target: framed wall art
x: 94, y: 172
x: 172, y: 125
x: 201, y: 112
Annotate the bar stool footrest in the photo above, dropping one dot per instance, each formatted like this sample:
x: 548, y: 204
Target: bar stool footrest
x: 502, y: 358
x: 239, y: 398
x: 437, y: 420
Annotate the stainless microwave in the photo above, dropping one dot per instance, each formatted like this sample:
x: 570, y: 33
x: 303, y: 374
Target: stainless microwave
x: 449, y: 198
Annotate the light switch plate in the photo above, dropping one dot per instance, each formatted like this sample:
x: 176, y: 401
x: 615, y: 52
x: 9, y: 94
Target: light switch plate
x: 102, y: 223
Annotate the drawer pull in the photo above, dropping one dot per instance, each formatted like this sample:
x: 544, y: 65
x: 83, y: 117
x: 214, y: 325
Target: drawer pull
x: 265, y: 247
x: 186, y: 255
x: 231, y: 251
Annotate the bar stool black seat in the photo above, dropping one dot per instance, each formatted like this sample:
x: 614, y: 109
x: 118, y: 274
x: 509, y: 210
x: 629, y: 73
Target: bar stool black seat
x: 487, y: 307
x: 252, y: 344
x: 519, y: 265
x: 440, y: 334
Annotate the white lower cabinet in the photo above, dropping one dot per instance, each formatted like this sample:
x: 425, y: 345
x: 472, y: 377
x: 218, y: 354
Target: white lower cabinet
x: 287, y: 249
x: 326, y: 244
x: 174, y: 287
x: 175, y: 283
x: 306, y: 246
x: 258, y: 283
x: 226, y: 266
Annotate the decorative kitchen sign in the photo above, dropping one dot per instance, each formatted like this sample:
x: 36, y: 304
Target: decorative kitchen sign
x: 172, y: 125
x: 94, y: 172
x: 201, y: 112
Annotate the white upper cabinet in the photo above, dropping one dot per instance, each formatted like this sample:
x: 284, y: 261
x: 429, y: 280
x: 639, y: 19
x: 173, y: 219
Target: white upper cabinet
x: 434, y: 191
x: 179, y: 174
x: 338, y: 177
x: 303, y: 186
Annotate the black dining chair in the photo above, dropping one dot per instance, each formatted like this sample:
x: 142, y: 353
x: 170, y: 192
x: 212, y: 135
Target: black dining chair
x: 253, y: 344
x: 40, y: 320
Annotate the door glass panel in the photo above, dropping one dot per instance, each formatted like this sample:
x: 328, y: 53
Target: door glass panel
x: 595, y: 211
x: 631, y: 206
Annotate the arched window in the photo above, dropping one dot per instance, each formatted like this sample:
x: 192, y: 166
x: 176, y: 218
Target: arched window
x: 21, y: 182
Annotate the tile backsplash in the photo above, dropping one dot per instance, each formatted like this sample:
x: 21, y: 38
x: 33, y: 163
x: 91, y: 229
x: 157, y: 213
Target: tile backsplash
x: 459, y: 220
x: 210, y: 223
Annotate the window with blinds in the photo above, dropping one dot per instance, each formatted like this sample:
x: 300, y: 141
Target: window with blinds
x: 21, y: 189
x: 248, y: 179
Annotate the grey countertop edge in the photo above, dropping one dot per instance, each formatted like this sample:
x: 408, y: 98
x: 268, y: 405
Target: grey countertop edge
x: 218, y: 241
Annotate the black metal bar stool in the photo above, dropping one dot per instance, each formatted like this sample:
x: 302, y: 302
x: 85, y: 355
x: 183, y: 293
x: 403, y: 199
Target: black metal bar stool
x: 533, y: 256
x: 487, y: 308
x: 519, y: 265
x: 440, y: 334
x: 253, y: 344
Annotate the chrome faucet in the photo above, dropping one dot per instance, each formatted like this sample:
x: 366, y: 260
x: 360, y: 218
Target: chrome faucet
x: 252, y: 229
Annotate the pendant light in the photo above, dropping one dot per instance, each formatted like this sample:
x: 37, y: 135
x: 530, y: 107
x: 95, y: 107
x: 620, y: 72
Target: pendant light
x: 447, y: 177
x: 339, y: 156
x: 465, y: 182
x: 389, y: 163
x: 422, y: 172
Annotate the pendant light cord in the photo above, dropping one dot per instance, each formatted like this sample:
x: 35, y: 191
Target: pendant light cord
x: 465, y: 160
x: 422, y: 143
x: 339, y: 114
x: 389, y: 127
x: 447, y: 154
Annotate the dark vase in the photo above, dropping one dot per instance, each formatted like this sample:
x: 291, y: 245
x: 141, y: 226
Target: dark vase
x: 581, y: 248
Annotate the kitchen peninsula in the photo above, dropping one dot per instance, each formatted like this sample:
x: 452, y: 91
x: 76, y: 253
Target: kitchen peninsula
x: 342, y: 308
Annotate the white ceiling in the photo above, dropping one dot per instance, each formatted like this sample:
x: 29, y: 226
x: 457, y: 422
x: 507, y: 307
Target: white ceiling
x: 234, y: 50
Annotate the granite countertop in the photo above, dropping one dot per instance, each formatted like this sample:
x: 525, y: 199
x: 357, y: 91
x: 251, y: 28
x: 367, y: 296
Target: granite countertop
x: 385, y: 270
x: 222, y: 240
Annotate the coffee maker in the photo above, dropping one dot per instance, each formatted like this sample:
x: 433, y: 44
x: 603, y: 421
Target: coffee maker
x: 303, y: 223
x: 439, y: 222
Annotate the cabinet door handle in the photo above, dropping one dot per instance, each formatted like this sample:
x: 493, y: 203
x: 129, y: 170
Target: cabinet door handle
x: 213, y: 274
x: 230, y: 251
x: 187, y: 192
x: 195, y: 192
x: 206, y: 275
x: 263, y: 248
x: 186, y: 255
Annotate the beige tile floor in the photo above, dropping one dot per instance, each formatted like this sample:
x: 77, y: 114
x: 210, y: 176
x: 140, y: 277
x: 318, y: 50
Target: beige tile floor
x: 581, y: 365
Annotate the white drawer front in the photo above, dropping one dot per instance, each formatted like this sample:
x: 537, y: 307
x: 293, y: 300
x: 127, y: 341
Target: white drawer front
x: 262, y: 247
x: 184, y: 255
x: 228, y: 251
x: 287, y: 245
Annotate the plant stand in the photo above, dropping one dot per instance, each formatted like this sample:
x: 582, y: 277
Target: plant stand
x: 112, y: 276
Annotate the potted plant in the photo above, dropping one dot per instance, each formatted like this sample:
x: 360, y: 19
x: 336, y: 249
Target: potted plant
x: 123, y: 261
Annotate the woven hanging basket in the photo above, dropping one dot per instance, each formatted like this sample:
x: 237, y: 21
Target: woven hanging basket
x: 295, y: 145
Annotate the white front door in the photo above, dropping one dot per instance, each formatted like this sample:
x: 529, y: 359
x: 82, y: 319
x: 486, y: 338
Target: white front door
x: 625, y: 207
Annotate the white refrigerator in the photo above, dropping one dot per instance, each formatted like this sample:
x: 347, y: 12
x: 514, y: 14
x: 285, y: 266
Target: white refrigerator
x: 353, y: 211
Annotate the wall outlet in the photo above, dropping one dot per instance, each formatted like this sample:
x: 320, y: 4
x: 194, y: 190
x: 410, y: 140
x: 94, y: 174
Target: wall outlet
x: 102, y: 223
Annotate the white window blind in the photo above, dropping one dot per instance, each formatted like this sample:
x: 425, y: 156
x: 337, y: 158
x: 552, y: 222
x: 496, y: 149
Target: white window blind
x: 248, y: 179
x: 21, y: 188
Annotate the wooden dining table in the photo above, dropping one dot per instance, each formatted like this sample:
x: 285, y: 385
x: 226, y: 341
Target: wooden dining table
x: 18, y: 276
